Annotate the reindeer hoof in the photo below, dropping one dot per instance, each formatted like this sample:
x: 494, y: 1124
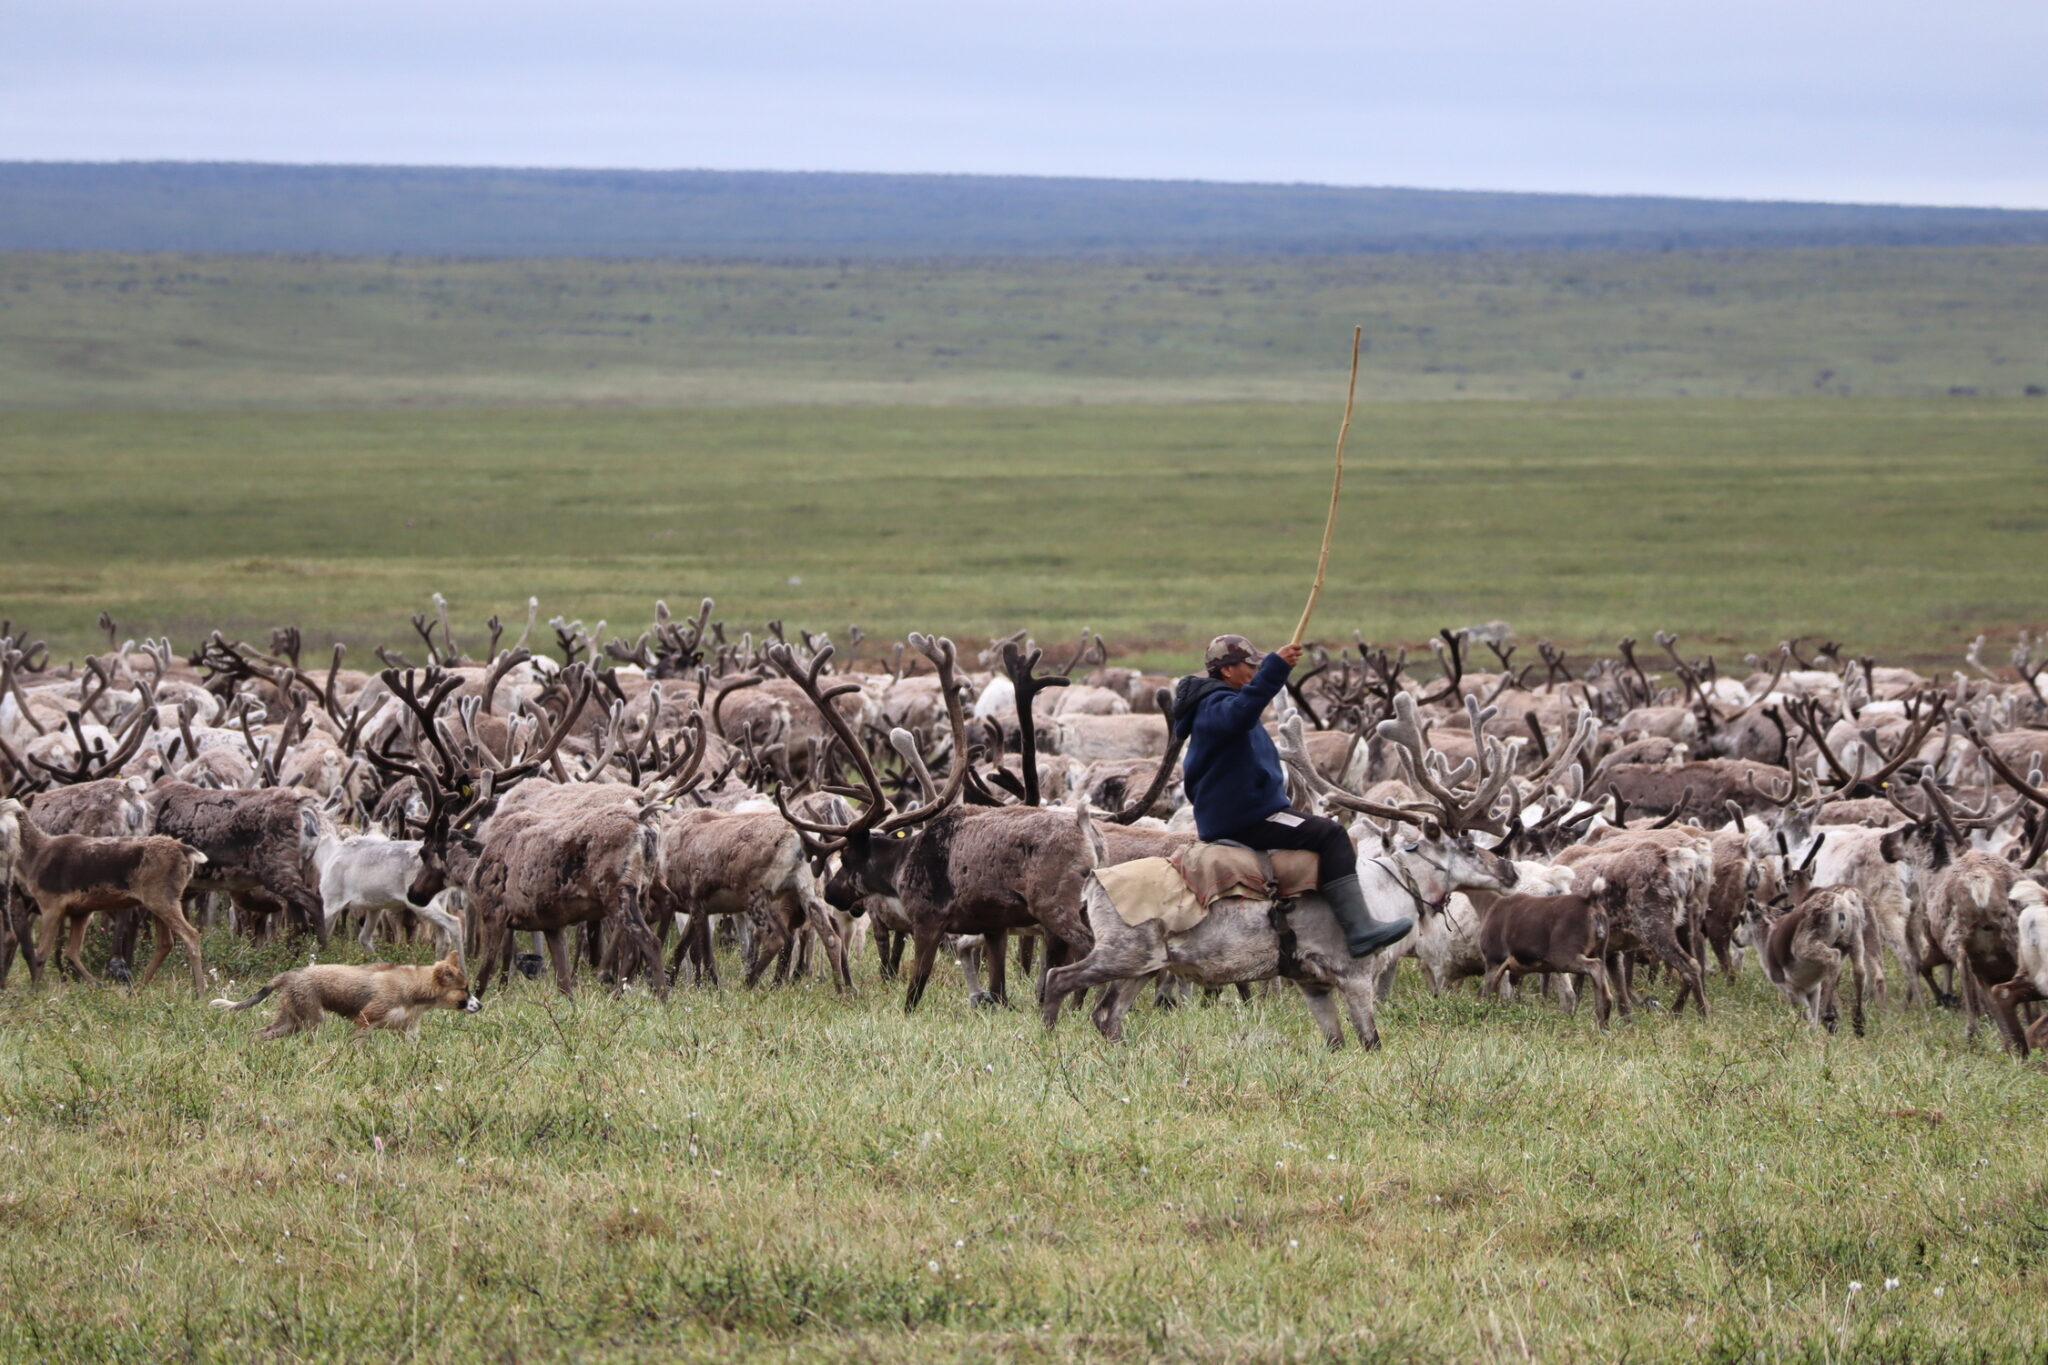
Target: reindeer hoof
x: 528, y: 965
x: 982, y: 1000
x: 119, y: 970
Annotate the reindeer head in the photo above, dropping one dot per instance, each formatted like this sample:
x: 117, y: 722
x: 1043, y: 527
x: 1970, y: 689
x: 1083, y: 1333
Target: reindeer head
x: 872, y: 848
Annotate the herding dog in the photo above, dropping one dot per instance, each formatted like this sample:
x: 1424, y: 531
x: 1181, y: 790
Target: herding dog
x: 381, y: 995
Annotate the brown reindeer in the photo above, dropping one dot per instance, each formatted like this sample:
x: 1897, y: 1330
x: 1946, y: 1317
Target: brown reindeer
x: 727, y: 863
x: 540, y: 859
x: 955, y: 869
x: 1520, y: 934
x: 73, y: 876
x: 1663, y: 878
x: 256, y: 843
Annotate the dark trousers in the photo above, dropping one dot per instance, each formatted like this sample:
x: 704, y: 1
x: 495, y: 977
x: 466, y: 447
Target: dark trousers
x: 1324, y: 836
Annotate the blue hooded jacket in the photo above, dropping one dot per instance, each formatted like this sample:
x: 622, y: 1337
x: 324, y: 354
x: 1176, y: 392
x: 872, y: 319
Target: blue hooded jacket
x: 1231, y: 770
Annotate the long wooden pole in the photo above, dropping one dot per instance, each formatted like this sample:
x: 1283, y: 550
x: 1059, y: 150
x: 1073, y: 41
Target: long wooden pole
x: 1336, y: 487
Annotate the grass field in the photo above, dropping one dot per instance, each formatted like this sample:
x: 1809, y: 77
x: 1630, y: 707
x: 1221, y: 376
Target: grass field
x: 786, y: 1175
x: 1901, y: 527
x: 156, y: 331
x: 970, y: 448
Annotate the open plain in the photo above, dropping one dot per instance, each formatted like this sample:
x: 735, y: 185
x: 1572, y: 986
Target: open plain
x: 1741, y: 447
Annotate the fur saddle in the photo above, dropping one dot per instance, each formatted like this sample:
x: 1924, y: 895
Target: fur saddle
x: 1178, y: 891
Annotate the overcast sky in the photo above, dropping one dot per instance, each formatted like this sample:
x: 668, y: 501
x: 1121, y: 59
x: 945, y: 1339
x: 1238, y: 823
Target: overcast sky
x: 1860, y: 100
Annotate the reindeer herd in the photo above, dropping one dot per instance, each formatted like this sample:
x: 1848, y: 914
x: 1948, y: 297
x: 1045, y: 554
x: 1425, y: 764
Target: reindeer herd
x: 624, y: 804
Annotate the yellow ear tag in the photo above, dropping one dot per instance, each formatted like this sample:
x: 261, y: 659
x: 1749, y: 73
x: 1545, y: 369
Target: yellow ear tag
x: 465, y: 789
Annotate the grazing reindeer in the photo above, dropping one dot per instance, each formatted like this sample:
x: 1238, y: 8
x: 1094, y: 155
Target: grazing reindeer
x: 1803, y: 948
x: 256, y: 845
x: 70, y: 876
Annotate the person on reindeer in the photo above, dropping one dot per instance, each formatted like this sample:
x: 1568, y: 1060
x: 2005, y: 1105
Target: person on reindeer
x: 1232, y: 775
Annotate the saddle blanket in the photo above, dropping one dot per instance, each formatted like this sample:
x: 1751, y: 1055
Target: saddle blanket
x: 1178, y: 891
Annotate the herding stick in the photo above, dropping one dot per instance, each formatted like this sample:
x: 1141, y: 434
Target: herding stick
x: 1336, y: 487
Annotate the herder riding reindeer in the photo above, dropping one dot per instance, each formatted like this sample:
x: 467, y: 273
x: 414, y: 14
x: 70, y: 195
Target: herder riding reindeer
x: 1416, y: 861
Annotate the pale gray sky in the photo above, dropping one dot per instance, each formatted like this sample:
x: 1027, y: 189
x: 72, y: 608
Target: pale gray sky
x: 1864, y: 100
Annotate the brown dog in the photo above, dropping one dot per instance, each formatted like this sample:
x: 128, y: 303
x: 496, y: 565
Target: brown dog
x: 381, y: 995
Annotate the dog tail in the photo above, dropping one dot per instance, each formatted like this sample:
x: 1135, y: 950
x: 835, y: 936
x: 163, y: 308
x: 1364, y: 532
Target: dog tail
x: 256, y: 999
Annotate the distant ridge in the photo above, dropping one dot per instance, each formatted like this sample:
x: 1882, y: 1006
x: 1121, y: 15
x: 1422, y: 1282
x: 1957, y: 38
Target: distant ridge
x: 374, y: 210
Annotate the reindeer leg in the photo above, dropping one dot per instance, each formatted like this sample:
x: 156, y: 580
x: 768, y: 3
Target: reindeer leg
x: 921, y: 966
x: 1116, y: 1001
x: 766, y: 946
x: 1324, y: 1010
x: 493, y: 937
x: 1858, y: 985
x: 818, y: 915
x: 1618, y: 981
x: 1870, y: 957
x: 2006, y: 998
x: 1122, y: 953
x: 1360, y: 1002
x: 1595, y: 971
x: 163, y: 935
x: 74, y: 944
x: 562, y: 959
x: 127, y: 930
x: 997, y: 955
x: 48, y: 932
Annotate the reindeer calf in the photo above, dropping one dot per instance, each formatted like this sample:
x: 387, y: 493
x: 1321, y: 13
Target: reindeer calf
x: 70, y: 876
x: 1520, y: 934
x: 1803, y: 949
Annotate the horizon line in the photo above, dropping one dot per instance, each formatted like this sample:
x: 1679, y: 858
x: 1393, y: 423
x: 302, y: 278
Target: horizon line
x: 1009, y: 175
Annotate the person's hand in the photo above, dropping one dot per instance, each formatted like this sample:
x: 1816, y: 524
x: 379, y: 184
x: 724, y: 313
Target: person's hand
x: 1291, y: 653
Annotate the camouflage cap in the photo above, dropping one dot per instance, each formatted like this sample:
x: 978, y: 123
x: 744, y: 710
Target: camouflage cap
x: 1226, y: 650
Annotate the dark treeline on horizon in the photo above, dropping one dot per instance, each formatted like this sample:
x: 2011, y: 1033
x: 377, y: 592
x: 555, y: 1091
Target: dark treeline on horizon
x: 365, y: 210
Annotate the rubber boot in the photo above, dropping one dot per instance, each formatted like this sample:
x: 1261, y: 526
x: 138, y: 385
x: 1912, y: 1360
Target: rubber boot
x: 1363, y: 934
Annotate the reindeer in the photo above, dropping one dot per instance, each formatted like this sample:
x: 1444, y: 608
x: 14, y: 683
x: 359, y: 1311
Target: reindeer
x: 539, y: 859
x: 724, y: 863
x: 1242, y: 940
x: 256, y: 844
x: 72, y: 876
x: 955, y: 869
x: 1663, y: 879
x: 1519, y: 934
x: 2030, y: 981
x: 1803, y: 948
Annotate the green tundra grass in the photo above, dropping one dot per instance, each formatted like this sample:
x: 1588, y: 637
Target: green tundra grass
x: 1898, y: 526
x: 786, y: 1175
x: 154, y: 331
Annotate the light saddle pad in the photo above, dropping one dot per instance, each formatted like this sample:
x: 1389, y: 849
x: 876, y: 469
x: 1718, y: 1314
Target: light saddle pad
x: 1178, y: 891
x: 1213, y: 871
